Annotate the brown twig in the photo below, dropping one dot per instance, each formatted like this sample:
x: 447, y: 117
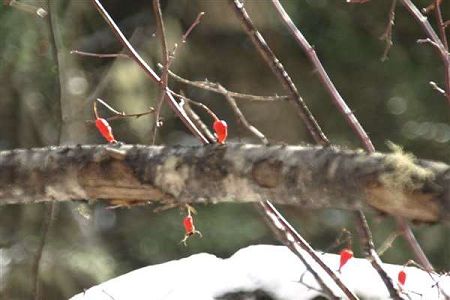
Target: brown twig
x: 203, y: 106
x: 297, y: 244
x: 351, y: 120
x: 213, y: 87
x: 149, y: 71
x: 100, y: 55
x: 375, y: 260
x: 195, y: 23
x: 278, y: 69
x: 237, y: 111
x: 387, y: 35
x: 355, y: 125
x: 165, y: 59
x: 117, y: 114
x: 440, y: 23
x: 431, y: 34
x: 324, y: 78
x: 195, y: 118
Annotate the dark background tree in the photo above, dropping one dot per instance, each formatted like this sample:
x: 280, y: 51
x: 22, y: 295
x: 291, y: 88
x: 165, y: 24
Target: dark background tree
x: 88, y: 243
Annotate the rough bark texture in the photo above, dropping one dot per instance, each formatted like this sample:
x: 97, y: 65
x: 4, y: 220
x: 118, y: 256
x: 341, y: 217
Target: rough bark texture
x: 309, y: 177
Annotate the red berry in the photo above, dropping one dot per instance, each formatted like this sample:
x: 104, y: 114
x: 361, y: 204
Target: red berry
x: 345, y: 256
x: 104, y: 128
x: 221, y: 130
x: 188, y: 223
x: 401, y: 277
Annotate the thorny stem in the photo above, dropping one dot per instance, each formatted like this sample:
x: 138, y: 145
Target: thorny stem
x: 213, y: 87
x: 118, y: 114
x: 353, y: 122
x: 375, y: 260
x: 149, y: 71
x: 387, y: 35
x: 309, y: 120
x: 440, y: 23
x: 165, y: 59
x: 429, y: 31
x: 184, y: 39
x: 292, y: 239
x: 324, y: 78
x: 278, y: 69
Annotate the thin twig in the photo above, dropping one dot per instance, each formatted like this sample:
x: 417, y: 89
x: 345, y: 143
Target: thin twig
x: 375, y: 260
x: 440, y: 23
x: 431, y: 34
x: 195, y: 118
x: 196, y: 103
x: 278, y: 69
x: 293, y: 240
x: 149, y: 71
x: 388, y: 242
x: 309, y: 120
x: 100, y: 55
x: 324, y: 78
x: 165, y: 59
x: 387, y: 35
x: 237, y: 111
x: 117, y: 114
x: 213, y: 87
x: 184, y: 38
x: 408, y: 235
x: 51, y: 207
x: 195, y: 23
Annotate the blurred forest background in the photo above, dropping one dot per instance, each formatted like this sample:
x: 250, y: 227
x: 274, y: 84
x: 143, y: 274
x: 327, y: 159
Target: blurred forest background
x: 87, y: 243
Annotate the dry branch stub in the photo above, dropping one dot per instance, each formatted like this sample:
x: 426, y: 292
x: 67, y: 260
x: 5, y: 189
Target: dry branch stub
x: 311, y: 177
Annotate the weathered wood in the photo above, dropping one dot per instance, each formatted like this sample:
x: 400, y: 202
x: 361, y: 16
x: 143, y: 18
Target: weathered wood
x: 309, y: 177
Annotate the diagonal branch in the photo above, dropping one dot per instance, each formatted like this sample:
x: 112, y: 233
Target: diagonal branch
x: 357, y: 129
x: 149, y: 71
x: 431, y: 34
x: 280, y: 72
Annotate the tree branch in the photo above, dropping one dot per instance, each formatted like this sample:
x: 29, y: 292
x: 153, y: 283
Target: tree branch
x: 309, y: 177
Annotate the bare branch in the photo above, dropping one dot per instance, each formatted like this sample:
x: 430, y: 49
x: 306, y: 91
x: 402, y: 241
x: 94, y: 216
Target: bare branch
x: 324, y: 78
x: 308, y: 177
x: 149, y: 71
x: 431, y: 34
x: 237, y: 111
x: 99, y: 55
x: 365, y: 234
x: 440, y: 23
x: 195, y: 118
x: 165, y: 59
x: 387, y: 35
x: 213, y: 87
x: 294, y: 241
x: 348, y: 116
x: 280, y: 72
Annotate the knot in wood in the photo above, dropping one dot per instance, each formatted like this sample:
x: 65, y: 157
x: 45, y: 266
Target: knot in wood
x: 267, y: 173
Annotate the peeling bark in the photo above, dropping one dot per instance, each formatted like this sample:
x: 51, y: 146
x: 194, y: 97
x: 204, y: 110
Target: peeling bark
x: 309, y: 177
